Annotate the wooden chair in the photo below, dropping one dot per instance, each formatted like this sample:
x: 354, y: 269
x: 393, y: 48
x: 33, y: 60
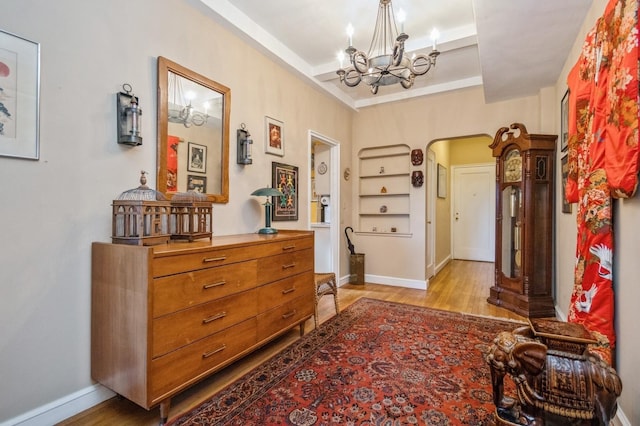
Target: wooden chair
x: 325, y: 284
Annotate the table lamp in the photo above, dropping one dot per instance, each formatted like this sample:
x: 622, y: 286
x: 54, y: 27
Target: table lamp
x: 267, y: 192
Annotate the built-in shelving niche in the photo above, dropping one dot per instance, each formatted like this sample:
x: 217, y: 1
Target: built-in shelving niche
x: 384, y: 192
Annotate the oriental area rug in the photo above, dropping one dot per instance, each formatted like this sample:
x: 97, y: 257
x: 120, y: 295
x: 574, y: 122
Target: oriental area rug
x: 377, y: 363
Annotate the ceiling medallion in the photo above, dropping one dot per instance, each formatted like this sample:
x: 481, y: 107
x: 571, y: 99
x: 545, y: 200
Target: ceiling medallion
x: 386, y: 62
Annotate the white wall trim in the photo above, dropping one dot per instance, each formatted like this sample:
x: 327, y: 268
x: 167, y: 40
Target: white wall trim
x: 395, y: 282
x: 442, y: 264
x: 62, y: 408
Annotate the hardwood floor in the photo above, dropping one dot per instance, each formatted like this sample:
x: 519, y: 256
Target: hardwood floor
x: 461, y: 286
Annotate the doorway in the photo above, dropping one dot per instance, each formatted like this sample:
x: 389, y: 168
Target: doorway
x: 324, y: 201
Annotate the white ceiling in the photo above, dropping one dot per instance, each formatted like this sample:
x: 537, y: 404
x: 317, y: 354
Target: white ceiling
x: 510, y: 47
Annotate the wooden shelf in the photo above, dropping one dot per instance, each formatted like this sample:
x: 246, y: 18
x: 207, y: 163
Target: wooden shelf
x: 384, y: 175
x: 386, y: 194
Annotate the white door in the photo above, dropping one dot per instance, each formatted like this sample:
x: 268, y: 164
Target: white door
x: 430, y: 212
x: 474, y: 207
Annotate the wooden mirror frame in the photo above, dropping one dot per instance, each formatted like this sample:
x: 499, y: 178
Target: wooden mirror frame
x: 164, y: 67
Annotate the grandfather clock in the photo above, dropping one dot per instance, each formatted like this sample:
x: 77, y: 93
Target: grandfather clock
x: 524, y: 221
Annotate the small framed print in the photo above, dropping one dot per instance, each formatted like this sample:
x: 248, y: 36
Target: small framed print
x: 197, y: 183
x: 566, y: 206
x: 285, y: 178
x: 274, y: 136
x: 19, y: 97
x: 197, y: 161
x: 442, y: 181
x: 564, y: 122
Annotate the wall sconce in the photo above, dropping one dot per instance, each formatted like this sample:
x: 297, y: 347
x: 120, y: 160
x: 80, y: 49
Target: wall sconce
x: 267, y: 192
x: 128, y: 117
x: 244, y: 145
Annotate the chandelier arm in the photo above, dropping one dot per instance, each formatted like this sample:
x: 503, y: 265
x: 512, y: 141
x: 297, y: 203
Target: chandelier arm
x: 360, y: 61
x: 352, y: 78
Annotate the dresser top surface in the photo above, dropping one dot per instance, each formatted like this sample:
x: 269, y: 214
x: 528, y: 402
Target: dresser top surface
x: 221, y: 241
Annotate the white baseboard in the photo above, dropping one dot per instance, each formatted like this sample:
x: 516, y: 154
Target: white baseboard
x: 62, y: 408
x: 390, y: 281
x: 395, y: 282
x: 620, y: 419
x: 442, y: 264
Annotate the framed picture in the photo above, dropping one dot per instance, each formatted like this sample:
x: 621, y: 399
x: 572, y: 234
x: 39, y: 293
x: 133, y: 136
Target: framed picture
x: 197, y: 161
x: 564, y: 122
x: 285, y: 178
x: 274, y: 136
x: 442, y: 181
x: 566, y: 206
x: 197, y: 183
x: 19, y: 97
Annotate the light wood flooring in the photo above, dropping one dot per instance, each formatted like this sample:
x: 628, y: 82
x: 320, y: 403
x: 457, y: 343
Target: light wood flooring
x: 461, y: 286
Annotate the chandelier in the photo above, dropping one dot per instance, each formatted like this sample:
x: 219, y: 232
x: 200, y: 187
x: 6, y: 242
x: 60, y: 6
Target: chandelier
x: 180, y: 108
x: 386, y: 62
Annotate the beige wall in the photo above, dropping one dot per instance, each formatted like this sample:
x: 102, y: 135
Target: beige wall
x: 53, y: 209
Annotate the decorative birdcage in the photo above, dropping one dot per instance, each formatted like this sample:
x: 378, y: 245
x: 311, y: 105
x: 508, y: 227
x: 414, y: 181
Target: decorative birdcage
x: 191, y: 216
x: 141, y: 216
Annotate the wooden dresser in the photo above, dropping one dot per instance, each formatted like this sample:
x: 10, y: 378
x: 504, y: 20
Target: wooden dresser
x: 164, y: 317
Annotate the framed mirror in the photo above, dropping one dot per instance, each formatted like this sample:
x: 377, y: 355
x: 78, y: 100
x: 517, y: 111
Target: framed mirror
x: 193, y: 133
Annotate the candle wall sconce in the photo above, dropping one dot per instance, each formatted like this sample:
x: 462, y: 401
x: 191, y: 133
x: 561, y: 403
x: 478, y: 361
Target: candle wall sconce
x: 128, y: 114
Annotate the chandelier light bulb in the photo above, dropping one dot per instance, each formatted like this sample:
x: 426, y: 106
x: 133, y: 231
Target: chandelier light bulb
x: 350, y: 33
x: 435, y: 35
x: 402, y: 16
x: 341, y: 58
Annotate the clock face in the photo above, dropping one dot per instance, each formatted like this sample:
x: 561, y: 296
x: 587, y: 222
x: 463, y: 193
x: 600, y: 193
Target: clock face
x: 322, y: 168
x: 513, y: 166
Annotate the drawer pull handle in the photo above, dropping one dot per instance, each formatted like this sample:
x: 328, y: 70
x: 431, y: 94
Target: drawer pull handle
x: 213, y: 352
x: 214, y: 259
x: 288, y: 290
x: 289, y: 314
x: 212, y: 285
x: 291, y: 265
x: 285, y: 248
x: 214, y: 317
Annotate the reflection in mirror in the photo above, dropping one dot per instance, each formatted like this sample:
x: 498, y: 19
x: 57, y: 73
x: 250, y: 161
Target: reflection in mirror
x: 511, y: 232
x: 193, y: 133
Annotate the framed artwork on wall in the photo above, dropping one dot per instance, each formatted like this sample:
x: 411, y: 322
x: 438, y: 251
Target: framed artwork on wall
x: 19, y: 97
x: 566, y: 206
x: 285, y: 178
x: 564, y: 122
x: 197, y: 161
x: 274, y: 136
x: 442, y: 181
x: 197, y: 183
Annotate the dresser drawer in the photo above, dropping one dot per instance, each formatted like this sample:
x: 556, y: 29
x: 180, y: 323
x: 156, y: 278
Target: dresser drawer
x: 274, y: 268
x: 281, y: 247
x: 284, y: 316
x: 167, y: 265
x: 181, y: 291
x: 173, y: 331
x: 190, y: 363
x: 285, y: 290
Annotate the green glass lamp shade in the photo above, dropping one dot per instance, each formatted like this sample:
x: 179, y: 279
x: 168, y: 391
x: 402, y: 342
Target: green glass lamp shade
x: 267, y: 192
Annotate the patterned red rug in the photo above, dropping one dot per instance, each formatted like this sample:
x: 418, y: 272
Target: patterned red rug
x: 377, y: 363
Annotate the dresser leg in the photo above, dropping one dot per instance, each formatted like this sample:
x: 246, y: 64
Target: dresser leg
x: 302, y: 328
x: 164, y: 411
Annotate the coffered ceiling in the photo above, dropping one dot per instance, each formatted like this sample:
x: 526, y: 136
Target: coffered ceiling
x: 510, y: 47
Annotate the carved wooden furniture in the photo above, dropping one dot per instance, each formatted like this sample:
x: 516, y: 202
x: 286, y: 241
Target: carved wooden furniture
x: 165, y: 317
x: 524, y: 221
x: 325, y: 285
x: 557, y: 380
